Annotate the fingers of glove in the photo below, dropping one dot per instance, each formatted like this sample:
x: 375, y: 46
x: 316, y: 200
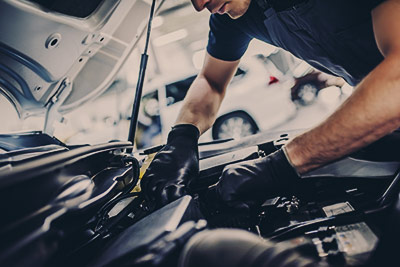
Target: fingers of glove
x: 234, y: 198
x: 161, y: 163
x: 164, y: 157
x: 160, y: 192
x: 242, y: 178
x: 243, y: 202
x: 172, y: 192
x: 150, y: 186
x: 227, y: 185
x: 246, y: 184
x: 169, y: 175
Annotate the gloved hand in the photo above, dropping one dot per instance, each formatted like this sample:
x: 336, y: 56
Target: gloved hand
x: 173, y: 167
x: 247, y: 184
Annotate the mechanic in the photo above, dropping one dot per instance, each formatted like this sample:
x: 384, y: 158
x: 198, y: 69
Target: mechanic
x: 358, y: 40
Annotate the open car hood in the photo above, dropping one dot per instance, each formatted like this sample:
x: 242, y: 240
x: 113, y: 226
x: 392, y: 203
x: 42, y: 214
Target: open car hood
x: 65, y: 52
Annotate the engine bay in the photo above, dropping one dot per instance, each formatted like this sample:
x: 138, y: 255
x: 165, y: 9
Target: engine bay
x: 336, y: 211
x: 82, y: 205
x: 91, y: 211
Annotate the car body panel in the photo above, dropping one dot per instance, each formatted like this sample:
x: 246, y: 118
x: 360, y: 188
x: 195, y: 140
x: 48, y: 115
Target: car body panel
x: 52, y: 48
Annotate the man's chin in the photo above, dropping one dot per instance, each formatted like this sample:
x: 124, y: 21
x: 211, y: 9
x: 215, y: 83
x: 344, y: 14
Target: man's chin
x: 235, y: 15
x: 232, y: 16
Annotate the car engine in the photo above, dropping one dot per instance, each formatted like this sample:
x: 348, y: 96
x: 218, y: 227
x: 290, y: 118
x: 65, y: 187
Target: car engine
x: 82, y: 205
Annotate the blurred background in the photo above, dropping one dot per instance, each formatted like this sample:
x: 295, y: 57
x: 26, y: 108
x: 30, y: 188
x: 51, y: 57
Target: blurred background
x: 271, y: 91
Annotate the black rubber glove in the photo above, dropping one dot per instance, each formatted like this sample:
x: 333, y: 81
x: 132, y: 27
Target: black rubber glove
x: 247, y: 184
x: 173, y: 167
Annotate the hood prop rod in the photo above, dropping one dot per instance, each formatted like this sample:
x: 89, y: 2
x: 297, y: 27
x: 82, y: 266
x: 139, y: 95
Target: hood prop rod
x: 139, y: 85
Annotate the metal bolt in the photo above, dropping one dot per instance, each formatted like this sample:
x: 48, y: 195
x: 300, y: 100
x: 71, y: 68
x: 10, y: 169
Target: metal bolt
x: 53, y: 41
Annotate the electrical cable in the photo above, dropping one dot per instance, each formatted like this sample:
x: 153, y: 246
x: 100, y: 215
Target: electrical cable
x: 105, y: 209
x: 135, y: 173
x: 108, y: 206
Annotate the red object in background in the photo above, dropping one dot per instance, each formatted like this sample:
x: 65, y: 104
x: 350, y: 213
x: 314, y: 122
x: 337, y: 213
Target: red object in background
x: 272, y: 80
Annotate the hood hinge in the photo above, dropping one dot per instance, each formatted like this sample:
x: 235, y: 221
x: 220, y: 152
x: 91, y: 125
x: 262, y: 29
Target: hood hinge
x: 52, y: 113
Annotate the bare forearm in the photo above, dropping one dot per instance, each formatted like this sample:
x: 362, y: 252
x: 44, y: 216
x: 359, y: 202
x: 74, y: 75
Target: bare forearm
x: 370, y: 113
x: 201, y: 105
x: 205, y: 95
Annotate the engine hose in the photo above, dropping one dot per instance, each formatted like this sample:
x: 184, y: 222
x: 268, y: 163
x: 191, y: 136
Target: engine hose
x: 237, y: 248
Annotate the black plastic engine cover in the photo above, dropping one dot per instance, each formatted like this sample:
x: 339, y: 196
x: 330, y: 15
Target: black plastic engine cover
x: 134, y: 241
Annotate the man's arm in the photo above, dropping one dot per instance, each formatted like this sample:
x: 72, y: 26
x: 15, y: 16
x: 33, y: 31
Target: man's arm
x: 177, y: 163
x: 205, y: 95
x: 370, y: 113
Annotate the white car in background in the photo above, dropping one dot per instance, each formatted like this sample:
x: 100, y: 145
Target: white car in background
x: 255, y: 100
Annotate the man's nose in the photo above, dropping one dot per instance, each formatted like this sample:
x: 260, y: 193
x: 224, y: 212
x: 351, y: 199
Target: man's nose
x: 199, y: 5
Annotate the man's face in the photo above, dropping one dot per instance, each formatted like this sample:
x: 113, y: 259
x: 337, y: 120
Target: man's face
x: 234, y: 8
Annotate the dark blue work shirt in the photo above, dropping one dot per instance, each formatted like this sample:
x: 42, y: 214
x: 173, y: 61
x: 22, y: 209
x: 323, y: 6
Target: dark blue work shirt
x: 334, y: 36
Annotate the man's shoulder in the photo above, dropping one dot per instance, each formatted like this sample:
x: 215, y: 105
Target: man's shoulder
x: 229, y: 38
x: 244, y: 23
